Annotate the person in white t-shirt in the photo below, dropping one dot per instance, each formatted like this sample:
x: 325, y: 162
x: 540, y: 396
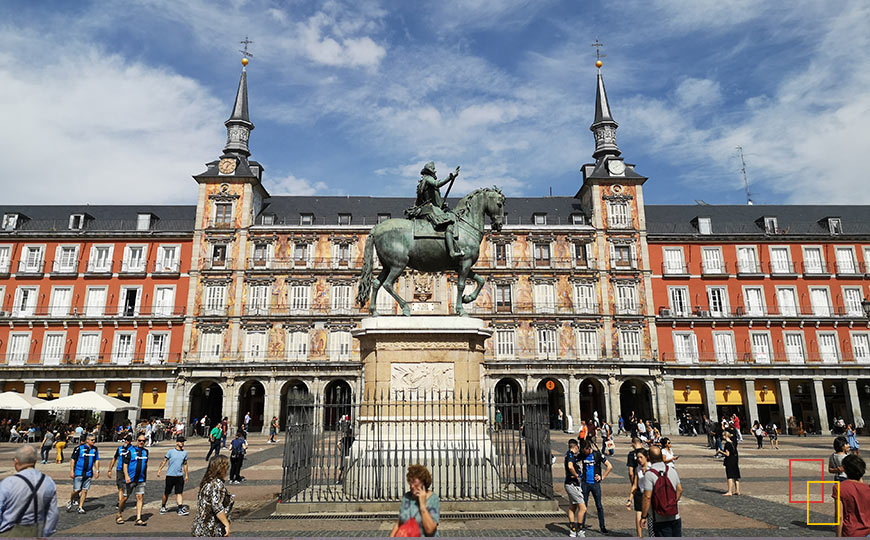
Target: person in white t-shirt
x: 668, y: 452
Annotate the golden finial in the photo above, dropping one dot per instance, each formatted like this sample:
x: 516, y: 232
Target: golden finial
x: 598, y: 63
x: 245, y: 53
x: 245, y: 62
x: 598, y: 55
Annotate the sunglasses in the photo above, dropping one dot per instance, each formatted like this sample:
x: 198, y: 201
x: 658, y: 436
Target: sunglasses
x: 140, y: 440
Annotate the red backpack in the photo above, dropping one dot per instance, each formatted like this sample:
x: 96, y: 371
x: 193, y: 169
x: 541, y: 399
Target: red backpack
x: 664, y: 495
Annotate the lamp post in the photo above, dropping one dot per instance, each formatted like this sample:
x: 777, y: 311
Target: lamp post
x: 865, y: 305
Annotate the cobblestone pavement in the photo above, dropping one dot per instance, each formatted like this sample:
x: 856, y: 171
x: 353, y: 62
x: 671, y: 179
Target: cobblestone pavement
x: 763, y: 509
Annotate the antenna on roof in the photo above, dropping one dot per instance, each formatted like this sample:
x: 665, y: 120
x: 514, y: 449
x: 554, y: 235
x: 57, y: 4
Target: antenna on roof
x: 745, y: 181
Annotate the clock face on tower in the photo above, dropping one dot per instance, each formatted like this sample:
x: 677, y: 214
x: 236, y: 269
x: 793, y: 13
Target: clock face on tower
x: 616, y: 167
x: 227, y: 166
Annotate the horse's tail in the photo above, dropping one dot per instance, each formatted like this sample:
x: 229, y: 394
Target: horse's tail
x: 365, y: 280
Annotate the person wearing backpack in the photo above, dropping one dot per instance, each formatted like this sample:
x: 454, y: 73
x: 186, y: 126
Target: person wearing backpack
x: 592, y: 474
x: 238, y: 448
x: 28, y: 499
x: 214, y: 437
x: 661, y: 496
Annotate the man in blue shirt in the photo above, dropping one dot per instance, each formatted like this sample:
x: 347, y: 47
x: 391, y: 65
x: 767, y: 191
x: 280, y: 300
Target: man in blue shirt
x: 28, y: 500
x: 176, y: 475
x: 591, y: 477
x: 83, y: 467
x: 577, y: 511
x: 135, y: 473
x: 117, y: 466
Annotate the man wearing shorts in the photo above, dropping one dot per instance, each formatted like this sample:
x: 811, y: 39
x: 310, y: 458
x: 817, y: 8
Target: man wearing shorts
x: 176, y: 475
x: 83, y: 467
x: 135, y: 473
x: 117, y: 466
x: 577, y: 511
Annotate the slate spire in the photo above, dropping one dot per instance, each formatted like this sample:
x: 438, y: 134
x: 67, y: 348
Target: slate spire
x: 239, y: 124
x: 603, y: 126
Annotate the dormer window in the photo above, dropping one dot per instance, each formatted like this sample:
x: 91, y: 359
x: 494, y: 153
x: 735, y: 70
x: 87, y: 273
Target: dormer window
x: 705, y: 225
x: 770, y: 225
x: 10, y: 221
x: 76, y: 222
x: 578, y: 219
x: 383, y: 217
x: 540, y: 219
x: 835, y: 226
x: 306, y: 219
x: 267, y: 219
x: 344, y: 219
x: 143, y: 222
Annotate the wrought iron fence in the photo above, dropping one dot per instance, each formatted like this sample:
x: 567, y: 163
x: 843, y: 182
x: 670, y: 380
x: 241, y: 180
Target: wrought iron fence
x: 477, y: 447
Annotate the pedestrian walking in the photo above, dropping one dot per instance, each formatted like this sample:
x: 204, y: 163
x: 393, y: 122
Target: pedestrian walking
x: 499, y: 418
x: 758, y: 431
x: 238, y: 448
x: 225, y: 428
x: 47, y: 443
x: 213, y: 502
x: 662, y: 491
x: 854, y: 497
x: 60, y: 444
x: 273, y: 429
x: 84, y: 466
x: 835, y: 462
x: 607, y: 438
x: 852, y: 437
x: 635, y: 495
x: 135, y: 475
x: 577, y: 510
x: 620, y: 424
x: 214, y: 438
x: 668, y: 456
x: 247, y: 420
x: 421, y: 508
x: 116, y: 467
x: 28, y: 499
x: 772, y: 435
x: 594, y: 469
x: 732, y: 465
x: 176, y: 476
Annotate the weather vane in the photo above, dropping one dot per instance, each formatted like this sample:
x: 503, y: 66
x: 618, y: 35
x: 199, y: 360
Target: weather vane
x: 598, y: 55
x: 245, y: 53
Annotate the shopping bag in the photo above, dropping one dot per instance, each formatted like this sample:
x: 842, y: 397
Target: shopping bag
x: 409, y: 529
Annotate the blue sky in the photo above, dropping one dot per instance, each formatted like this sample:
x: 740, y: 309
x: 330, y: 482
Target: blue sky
x: 121, y: 102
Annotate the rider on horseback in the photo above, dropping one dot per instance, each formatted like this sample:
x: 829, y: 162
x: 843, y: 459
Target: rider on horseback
x: 431, y: 206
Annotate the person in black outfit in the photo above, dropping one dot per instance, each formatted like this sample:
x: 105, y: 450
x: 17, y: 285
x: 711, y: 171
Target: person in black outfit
x: 732, y: 466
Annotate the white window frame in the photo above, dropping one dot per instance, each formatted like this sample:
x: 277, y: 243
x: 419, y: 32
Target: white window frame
x: 795, y: 355
x: 210, y: 346
x: 760, y: 356
x: 298, y: 344
x: 18, y: 356
x: 256, y: 344
x: 299, y: 298
x: 76, y: 222
x: 10, y: 222
x: 630, y: 348
x: 341, y: 298
x: 153, y: 356
x: 705, y: 262
x: 214, y: 208
x: 853, y: 308
x: 820, y: 310
x: 122, y: 296
x: 505, y: 343
x: 343, y: 262
x: 168, y: 266
x: 63, y: 266
x: 754, y: 311
x: 725, y: 308
x: 794, y: 309
x: 745, y: 266
x: 307, y: 256
x: 674, y: 260
x: 93, y: 260
x: 5, y: 258
x: 127, y: 264
x: 835, y: 226
x: 674, y: 294
x: 588, y: 343
x: 771, y: 225
x: 851, y: 267
x: 808, y: 269
x: 584, y: 299
x: 340, y: 345
x: 578, y: 248
x: 829, y: 357
x: 84, y: 355
x: 143, y: 222
x: 545, y: 297
x: 259, y: 298
x: 265, y: 261
x: 56, y: 308
x: 53, y: 357
x: 724, y: 356
x: 35, y: 264
x: 541, y: 262
x: 123, y: 358
x: 163, y: 309
x: 546, y: 343
x: 631, y: 263
x: 215, y: 299
x: 306, y: 219
x: 31, y: 306
x: 861, y: 356
x: 626, y: 298
x: 778, y: 266
x: 864, y: 249
x: 508, y: 254
x: 618, y: 215
x: 99, y: 310
x: 705, y: 225
x: 539, y: 218
x: 685, y: 347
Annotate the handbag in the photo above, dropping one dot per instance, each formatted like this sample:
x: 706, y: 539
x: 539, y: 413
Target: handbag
x: 610, y: 445
x: 409, y: 529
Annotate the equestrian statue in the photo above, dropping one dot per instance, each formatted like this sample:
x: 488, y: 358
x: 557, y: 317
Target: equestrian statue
x: 432, y: 239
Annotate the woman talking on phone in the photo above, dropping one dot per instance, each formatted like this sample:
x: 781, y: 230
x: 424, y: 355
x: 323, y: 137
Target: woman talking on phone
x: 421, y: 507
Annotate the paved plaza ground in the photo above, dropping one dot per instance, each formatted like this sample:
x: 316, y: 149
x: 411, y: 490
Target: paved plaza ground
x: 763, y: 509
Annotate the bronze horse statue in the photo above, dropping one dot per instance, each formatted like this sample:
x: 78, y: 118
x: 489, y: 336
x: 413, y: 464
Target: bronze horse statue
x: 398, y: 249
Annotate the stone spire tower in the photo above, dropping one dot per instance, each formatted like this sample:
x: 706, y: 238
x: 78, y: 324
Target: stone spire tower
x: 603, y: 126
x: 239, y: 124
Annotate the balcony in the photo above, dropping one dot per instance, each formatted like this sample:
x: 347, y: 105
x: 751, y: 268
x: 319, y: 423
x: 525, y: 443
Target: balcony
x: 671, y: 269
x: 137, y: 359
x: 4, y: 268
x: 99, y: 268
x: 782, y: 269
x: 624, y: 265
x: 849, y: 269
x: 221, y: 223
x: 749, y: 269
x: 714, y: 270
x: 816, y: 269
x: 64, y: 268
x: 627, y: 309
x: 31, y: 268
x: 97, y: 312
x: 133, y: 268
x: 207, y: 311
x: 167, y: 267
x: 216, y: 264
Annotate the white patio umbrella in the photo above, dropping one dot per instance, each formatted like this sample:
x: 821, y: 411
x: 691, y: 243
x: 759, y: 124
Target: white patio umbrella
x: 85, y: 401
x: 15, y: 401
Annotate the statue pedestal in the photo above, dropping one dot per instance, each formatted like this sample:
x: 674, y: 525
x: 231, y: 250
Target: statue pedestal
x: 422, y: 403
x: 421, y: 354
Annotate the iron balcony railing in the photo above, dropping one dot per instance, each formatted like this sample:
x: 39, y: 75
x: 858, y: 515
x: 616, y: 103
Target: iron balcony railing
x: 88, y: 312
x: 166, y: 267
x: 764, y: 358
x: 65, y: 267
x: 83, y: 359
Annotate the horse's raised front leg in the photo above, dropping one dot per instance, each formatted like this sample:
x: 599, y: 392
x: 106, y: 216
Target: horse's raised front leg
x: 388, y: 282
x: 376, y: 285
x: 468, y: 298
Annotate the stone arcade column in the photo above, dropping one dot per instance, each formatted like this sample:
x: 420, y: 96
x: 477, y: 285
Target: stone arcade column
x: 671, y: 407
x: 29, y: 390
x: 821, y: 406
x: 751, y: 402
x: 785, y: 403
x: 135, y: 400
x: 65, y: 390
x: 852, y: 396
x: 572, y: 398
x: 613, y: 396
x: 710, y: 399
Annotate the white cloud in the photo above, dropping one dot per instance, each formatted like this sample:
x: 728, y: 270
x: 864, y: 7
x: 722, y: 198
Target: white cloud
x: 293, y: 185
x: 698, y: 93
x: 89, y: 127
x: 323, y: 49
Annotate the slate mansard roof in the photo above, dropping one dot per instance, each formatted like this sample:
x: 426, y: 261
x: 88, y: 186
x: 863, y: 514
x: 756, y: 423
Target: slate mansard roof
x: 101, y: 218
